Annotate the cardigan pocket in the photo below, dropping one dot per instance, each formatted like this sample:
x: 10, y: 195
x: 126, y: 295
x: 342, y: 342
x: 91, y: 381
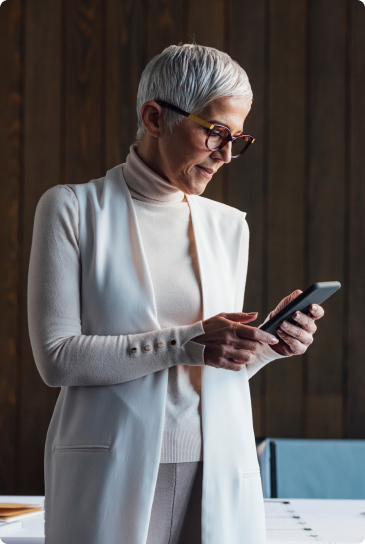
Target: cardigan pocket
x: 82, y: 448
x: 254, y: 474
x: 251, y: 508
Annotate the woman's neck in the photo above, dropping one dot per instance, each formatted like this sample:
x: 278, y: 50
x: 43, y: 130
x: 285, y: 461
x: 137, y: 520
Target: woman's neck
x: 145, y: 183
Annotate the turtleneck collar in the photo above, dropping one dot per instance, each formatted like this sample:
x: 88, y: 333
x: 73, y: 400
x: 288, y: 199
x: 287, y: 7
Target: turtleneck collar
x: 144, y: 184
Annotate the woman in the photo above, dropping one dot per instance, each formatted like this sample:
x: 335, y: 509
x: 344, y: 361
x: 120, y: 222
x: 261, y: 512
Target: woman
x: 135, y: 294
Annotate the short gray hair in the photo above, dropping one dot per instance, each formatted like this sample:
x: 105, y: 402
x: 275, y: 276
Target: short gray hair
x: 190, y: 76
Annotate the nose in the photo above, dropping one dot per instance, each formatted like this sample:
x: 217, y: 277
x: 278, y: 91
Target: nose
x: 225, y: 154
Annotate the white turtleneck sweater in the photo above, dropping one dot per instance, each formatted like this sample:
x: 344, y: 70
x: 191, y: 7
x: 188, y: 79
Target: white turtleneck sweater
x: 166, y: 229
x: 61, y: 350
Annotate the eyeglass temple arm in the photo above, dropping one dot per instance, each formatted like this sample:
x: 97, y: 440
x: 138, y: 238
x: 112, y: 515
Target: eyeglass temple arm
x: 185, y: 114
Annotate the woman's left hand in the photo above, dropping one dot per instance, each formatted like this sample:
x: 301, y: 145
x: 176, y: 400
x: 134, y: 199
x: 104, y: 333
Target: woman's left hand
x: 295, y: 339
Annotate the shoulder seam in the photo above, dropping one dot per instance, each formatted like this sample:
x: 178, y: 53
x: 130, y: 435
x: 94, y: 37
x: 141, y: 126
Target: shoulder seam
x: 70, y: 190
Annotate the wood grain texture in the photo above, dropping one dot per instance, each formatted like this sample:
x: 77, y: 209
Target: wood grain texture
x: 166, y: 25
x: 245, y: 176
x: 326, y: 207
x: 327, y: 425
x: 285, y: 198
x: 356, y: 376
x: 206, y: 24
x: 42, y: 161
x: 11, y: 105
x: 69, y: 112
x: 84, y: 100
x: 124, y: 65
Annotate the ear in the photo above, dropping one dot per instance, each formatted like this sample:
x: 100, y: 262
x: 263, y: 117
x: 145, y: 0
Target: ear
x: 151, y: 114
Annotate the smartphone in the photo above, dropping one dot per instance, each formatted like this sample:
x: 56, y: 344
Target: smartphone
x: 315, y: 294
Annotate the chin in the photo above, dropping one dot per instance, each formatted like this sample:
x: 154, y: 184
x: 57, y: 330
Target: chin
x: 195, y: 187
x: 190, y: 184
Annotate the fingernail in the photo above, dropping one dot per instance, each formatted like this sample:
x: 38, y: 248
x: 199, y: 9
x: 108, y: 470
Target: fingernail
x: 314, y: 307
x: 274, y: 340
x: 296, y: 315
x: 284, y: 325
x: 252, y: 313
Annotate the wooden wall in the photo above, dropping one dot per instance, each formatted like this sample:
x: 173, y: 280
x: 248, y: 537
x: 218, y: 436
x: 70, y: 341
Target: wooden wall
x: 69, y: 71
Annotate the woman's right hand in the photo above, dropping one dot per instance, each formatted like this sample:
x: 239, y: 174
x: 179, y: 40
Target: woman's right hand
x: 229, y: 344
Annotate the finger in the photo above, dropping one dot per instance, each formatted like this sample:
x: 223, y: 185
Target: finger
x: 231, y: 364
x: 241, y: 317
x: 237, y: 342
x: 286, y: 301
x: 296, y: 347
x: 253, y: 333
x: 240, y: 355
x: 306, y: 322
x: 297, y: 332
x: 316, y: 311
x: 292, y: 296
x: 236, y: 367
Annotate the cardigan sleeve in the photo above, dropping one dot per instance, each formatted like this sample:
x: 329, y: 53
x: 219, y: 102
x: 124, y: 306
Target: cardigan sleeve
x: 268, y: 354
x: 63, y: 355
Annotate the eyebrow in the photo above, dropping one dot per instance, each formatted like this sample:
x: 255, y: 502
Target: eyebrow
x: 217, y: 122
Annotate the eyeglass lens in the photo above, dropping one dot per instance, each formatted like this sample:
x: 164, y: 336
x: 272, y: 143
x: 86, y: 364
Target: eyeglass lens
x: 220, y: 135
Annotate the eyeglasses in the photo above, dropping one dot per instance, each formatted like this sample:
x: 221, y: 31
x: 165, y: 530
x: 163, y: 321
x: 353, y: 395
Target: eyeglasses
x: 218, y: 136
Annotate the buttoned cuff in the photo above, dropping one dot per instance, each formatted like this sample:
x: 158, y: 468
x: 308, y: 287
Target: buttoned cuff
x: 194, y: 351
x: 264, y: 358
x: 172, y: 344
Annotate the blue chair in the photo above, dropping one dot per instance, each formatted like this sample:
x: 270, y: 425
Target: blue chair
x: 312, y: 469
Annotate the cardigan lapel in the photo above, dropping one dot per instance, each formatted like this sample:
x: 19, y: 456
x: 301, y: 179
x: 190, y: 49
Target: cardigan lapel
x: 232, y: 506
x: 119, y: 299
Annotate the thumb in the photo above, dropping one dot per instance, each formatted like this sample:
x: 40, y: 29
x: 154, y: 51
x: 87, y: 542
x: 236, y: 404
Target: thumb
x: 241, y: 317
x: 286, y: 301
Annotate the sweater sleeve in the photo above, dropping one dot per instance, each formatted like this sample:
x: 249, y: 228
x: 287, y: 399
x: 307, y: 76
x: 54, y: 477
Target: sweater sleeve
x: 268, y: 354
x: 63, y: 355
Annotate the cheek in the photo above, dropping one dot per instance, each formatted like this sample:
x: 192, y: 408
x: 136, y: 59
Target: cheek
x: 192, y: 151
x: 183, y: 151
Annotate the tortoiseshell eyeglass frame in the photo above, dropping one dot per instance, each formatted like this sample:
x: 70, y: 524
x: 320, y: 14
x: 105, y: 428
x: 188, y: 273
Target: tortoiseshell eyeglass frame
x: 210, y: 127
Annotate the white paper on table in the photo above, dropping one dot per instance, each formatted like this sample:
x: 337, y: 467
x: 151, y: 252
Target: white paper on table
x: 296, y: 542
x: 297, y: 524
x: 22, y: 540
x: 22, y: 516
x: 8, y: 528
x: 283, y: 524
x: 334, y: 520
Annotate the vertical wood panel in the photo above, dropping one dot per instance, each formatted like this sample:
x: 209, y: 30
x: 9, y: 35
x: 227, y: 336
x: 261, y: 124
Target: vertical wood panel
x: 42, y: 125
x: 11, y: 99
x: 124, y: 65
x: 83, y: 61
x: 245, y: 176
x: 206, y: 23
x: 84, y: 156
x: 326, y: 228
x: 355, y: 316
x: 166, y: 21
x: 285, y: 187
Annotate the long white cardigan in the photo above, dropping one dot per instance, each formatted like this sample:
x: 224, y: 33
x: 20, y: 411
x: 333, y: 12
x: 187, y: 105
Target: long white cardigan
x: 103, y: 445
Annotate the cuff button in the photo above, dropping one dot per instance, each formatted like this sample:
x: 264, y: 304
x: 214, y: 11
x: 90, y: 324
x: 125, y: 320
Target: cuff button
x: 147, y: 348
x: 134, y: 350
x: 160, y: 345
x: 173, y: 342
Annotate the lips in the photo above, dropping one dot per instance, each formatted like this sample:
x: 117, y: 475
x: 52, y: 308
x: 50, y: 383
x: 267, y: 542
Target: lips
x: 207, y: 172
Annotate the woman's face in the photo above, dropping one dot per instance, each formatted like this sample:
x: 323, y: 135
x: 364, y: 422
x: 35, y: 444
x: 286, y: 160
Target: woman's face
x: 180, y: 156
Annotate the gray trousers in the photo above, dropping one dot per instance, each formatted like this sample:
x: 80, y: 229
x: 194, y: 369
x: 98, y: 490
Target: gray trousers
x: 176, y: 509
